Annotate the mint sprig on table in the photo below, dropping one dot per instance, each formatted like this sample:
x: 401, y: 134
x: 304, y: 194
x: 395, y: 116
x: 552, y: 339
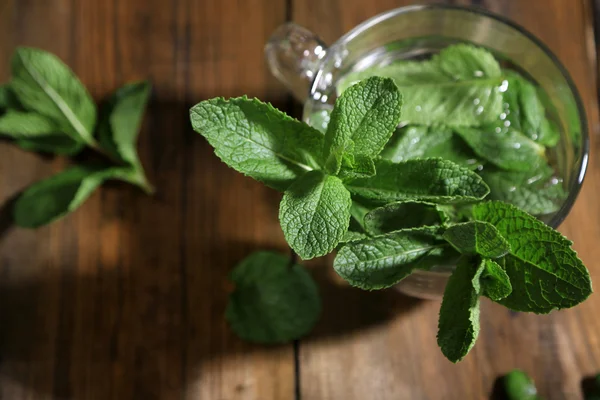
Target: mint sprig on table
x: 46, y: 108
x: 390, y: 209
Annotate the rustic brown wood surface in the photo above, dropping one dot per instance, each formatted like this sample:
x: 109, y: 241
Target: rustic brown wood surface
x: 124, y: 299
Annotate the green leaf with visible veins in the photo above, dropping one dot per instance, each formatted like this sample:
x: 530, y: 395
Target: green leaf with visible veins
x: 537, y: 192
x: 504, y: 147
x: 416, y: 141
x: 274, y: 301
x: 315, y: 214
x: 55, y: 144
x: 457, y: 87
x: 383, y: 261
x: 476, y: 237
x: 494, y: 280
x: 432, y: 179
x: 258, y: 140
x: 402, y: 215
x: 545, y: 273
x: 367, y: 113
x: 54, y: 197
x: 44, y: 84
x: 23, y: 124
x: 458, y: 325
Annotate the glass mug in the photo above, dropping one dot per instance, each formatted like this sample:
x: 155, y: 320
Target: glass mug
x: 310, y: 70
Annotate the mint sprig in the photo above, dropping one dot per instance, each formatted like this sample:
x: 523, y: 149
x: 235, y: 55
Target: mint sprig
x: 366, y: 115
x: 544, y: 271
x: 397, y: 183
x: 46, y: 108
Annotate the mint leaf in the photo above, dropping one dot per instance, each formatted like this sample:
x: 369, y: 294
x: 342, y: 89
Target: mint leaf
x: 273, y: 301
x: 464, y: 61
x: 526, y: 111
x: 22, y: 124
x: 536, y: 192
x: 494, y: 280
x: 519, y: 386
x: 458, y: 325
x: 544, y: 271
x: 549, y: 134
x: 503, y: 147
x: 433, y: 179
x: 367, y: 113
x: 52, y: 198
x: 383, y: 261
x: 413, y: 141
x: 476, y: 237
x: 258, y: 140
x: 119, y: 128
x: 532, y: 110
x: 402, y: 215
x: 362, y: 167
x: 44, y: 84
x: 457, y: 87
x: 534, y: 122
x: 55, y: 144
x: 315, y: 214
x: 512, y: 106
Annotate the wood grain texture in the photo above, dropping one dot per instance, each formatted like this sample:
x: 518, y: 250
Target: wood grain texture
x: 125, y: 298
x: 381, y: 345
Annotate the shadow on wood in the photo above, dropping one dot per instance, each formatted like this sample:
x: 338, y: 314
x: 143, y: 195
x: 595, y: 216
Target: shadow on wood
x: 348, y: 310
x: 128, y: 301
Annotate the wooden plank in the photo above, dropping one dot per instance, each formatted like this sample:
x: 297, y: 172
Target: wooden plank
x: 381, y: 345
x: 125, y: 298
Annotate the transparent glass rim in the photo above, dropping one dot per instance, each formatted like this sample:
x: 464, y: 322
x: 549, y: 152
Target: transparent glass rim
x: 580, y: 171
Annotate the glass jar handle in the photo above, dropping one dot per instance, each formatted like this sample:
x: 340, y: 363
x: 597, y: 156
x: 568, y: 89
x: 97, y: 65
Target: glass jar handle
x: 294, y: 54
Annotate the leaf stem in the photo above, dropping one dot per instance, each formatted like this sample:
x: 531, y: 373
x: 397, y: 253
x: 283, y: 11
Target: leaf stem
x: 138, y: 178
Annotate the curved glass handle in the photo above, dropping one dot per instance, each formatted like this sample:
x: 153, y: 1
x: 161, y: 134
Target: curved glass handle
x: 294, y: 54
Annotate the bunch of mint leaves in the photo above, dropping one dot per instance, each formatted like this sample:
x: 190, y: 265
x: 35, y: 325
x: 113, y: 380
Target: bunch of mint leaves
x: 386, y: 218
x: 463, y: 107
x: 46, y: 108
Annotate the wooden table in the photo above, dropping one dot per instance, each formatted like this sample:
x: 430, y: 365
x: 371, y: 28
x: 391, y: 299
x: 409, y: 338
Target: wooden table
x: 124, y: 299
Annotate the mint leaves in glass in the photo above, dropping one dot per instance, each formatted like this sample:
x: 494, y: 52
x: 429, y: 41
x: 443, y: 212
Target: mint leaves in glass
x: 399, y: 178
x: 46, y: 108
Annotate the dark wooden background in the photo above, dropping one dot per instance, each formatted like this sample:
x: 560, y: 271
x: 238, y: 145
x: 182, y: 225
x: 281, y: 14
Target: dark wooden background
x: 124, y: 299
